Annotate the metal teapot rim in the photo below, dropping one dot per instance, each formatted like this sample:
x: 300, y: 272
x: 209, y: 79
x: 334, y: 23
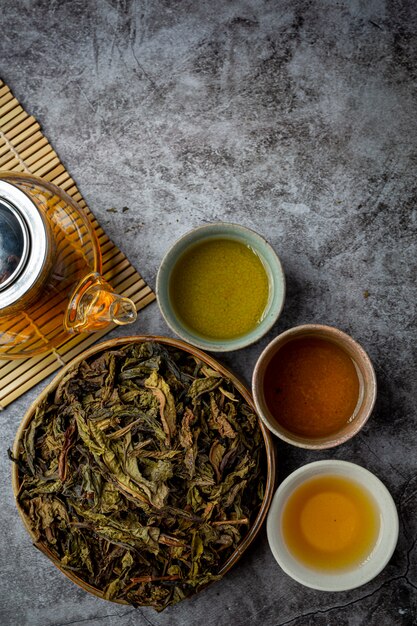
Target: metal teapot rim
x: 36, y: 243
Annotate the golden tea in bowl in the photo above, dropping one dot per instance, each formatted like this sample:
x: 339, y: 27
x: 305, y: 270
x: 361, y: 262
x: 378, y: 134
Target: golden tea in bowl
x: 330, y: 523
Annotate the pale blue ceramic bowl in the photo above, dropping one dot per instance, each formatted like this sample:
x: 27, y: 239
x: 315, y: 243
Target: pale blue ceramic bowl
x: 272, y: 266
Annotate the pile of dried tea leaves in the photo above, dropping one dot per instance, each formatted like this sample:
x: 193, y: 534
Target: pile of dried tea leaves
x: 141, y: 473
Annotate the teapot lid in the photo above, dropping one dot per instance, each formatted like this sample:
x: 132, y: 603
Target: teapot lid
x: 23, y: 244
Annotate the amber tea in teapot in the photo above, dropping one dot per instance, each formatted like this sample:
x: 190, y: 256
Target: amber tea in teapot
x: 50, y: 264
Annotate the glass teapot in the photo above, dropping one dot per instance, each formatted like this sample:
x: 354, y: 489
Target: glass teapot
x: 50, y: 264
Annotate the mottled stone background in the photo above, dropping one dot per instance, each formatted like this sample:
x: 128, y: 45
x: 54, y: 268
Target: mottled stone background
x: 296, y: 118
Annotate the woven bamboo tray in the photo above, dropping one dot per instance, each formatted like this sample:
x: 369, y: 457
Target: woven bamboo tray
x: 23, y: 148
x: 270, y: 460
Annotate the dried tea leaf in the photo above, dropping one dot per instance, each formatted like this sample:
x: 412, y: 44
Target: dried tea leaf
x: 217, y: 451
x: 166, y: 402
x: 141, y: 472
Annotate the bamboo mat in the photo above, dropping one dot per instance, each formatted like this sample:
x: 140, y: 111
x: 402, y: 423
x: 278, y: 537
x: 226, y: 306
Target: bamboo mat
x: 23, y: 148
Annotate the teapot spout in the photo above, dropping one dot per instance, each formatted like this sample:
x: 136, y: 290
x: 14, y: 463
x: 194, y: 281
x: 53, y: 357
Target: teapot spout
x: 94, y: 306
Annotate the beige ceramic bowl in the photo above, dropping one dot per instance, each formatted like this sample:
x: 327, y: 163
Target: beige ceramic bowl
x: 367, y: 390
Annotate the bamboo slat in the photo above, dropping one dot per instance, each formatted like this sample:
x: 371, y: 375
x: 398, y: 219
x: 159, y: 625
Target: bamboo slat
x: 24, y: 148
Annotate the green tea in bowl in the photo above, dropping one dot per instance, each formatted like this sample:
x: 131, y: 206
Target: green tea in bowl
x: 221, y: 287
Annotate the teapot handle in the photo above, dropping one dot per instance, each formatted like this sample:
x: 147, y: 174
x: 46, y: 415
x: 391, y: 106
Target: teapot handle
x: 94, y: 306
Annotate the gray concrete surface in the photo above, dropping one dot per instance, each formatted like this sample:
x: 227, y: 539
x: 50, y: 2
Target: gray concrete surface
x: 295, y: 118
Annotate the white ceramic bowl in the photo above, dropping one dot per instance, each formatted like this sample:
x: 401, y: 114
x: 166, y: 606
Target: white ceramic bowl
x: 346, y: 579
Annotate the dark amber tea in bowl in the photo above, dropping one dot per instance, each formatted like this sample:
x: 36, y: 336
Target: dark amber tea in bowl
x: 314, y: 386
x: 311, y: 386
